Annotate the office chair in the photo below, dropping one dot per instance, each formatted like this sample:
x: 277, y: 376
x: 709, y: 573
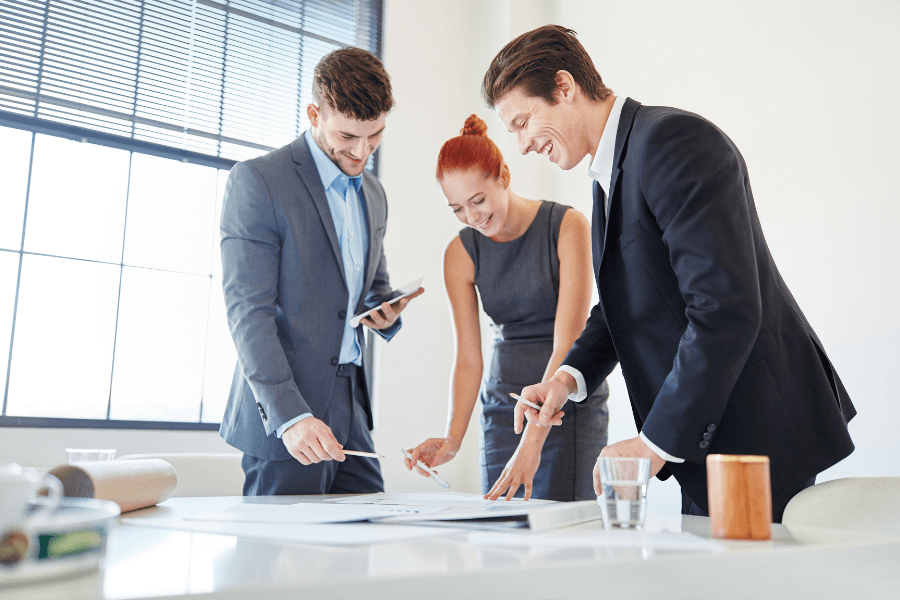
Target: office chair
x: 852, y: 503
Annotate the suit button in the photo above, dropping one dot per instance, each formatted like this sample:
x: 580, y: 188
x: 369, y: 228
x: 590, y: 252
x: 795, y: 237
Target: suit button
x: 707, y: 436
x: 704, y: 445
x: 711, y: 427
x: 334, y: 360
x: 262, y: 411
x: 342, y: 314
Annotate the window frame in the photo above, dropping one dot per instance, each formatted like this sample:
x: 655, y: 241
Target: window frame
x: 83, y: 134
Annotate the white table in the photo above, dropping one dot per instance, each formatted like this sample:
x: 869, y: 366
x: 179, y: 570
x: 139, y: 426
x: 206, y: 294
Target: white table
x: 145, y: 562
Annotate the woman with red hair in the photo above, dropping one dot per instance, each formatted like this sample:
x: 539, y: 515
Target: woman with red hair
x: 530, y: 263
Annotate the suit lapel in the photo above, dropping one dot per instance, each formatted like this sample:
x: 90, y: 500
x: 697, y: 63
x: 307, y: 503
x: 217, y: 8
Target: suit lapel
x: 309, y: 174
x: 626, y: 121
x: 598, y: 225
x: 369, y: 194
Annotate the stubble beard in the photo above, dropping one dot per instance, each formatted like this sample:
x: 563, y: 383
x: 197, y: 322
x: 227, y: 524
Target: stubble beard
x: 333, y: 155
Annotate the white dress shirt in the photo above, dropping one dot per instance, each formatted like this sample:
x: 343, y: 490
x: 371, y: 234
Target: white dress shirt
x: 600, y: 170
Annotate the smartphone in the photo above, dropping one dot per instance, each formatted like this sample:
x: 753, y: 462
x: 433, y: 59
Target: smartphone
x: 406, y: 290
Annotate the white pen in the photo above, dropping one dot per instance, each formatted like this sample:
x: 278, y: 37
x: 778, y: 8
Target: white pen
x: 427, y: 469
x: 526, y: 402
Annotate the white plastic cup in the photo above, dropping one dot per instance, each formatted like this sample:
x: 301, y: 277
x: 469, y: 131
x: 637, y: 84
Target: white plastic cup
x: 89, y: 454
x: 624, y: 485
x: 20, y: 487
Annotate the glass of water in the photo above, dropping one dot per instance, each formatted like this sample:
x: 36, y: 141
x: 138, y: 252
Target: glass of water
x: 87, y: 454
x: 624, y: 485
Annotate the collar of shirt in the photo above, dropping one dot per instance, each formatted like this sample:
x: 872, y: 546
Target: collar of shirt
x: 328, y: 171
x: 600, y: 169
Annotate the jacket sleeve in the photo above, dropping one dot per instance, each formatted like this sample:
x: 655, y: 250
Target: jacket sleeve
x: 593, y: 353
x: 251, y: 253
x: 695, y: 184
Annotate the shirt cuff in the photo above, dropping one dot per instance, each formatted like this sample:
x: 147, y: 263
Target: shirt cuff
x: 581, y: 394
x: 280, y: 431
x: 387, y: 334
x: 659, y: 451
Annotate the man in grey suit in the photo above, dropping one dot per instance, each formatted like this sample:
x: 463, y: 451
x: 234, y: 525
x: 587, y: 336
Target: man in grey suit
x: 302, y: 232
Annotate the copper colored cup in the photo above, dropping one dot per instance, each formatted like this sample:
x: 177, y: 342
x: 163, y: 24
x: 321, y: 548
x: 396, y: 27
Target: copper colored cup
x: 740, y: 496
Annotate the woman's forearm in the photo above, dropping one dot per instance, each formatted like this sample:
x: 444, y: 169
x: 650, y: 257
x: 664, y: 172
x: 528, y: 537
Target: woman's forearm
x: 556, y: 359
x: 465, y: 382
x: 534, y: 437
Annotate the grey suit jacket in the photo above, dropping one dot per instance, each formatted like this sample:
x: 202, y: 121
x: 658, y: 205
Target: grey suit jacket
x: 286, y: 294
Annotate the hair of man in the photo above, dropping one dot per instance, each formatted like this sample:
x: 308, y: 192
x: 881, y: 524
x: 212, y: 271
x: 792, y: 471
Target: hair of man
x: 353, y: 82
x: 532, y: 61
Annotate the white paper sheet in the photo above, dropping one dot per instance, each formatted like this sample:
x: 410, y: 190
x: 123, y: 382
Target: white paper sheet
x: 309, y: 512
x: 333, y: 534
x: 444, y: 500
x: 596, y: 537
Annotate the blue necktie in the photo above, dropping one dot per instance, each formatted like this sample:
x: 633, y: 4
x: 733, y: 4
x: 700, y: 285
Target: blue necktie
x: 342, y: 182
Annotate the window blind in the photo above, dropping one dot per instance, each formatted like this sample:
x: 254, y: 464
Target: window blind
x: 223, y: 78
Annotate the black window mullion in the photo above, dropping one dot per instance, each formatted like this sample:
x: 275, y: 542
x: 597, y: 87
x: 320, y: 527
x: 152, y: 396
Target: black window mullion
x: 12, y: 332
x: 112, y: 369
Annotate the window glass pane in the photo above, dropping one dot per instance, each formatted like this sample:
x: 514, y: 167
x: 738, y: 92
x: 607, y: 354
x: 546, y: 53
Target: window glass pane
x: 15, y: 152
x: 170, y: 207
x: 160, y: 346
x: 65, y: 327
x: 9, y: 269
x: 76, y: 206
x: 220, y: 357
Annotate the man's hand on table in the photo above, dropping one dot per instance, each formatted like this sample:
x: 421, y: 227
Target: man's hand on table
x: 633, y: 448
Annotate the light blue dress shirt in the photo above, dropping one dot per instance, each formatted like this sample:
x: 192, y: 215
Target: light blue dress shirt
x: 349, y: 215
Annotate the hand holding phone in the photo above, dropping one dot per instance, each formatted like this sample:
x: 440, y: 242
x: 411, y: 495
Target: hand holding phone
x: 407, y: 290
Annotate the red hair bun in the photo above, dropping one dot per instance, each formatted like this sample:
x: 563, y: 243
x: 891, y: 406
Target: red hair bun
x: 474, y: 126
x: 471, y: 149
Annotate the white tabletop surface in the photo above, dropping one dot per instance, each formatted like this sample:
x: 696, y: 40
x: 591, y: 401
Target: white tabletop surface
x: 146, y: 562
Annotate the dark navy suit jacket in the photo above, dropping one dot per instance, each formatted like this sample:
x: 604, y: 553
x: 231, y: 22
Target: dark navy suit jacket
x: 716, y: 354
x: 286, y: 295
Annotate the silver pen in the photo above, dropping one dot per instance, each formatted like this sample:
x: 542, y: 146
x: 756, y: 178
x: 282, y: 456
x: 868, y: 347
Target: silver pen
x: 427, y: 469
x: 526, y: 402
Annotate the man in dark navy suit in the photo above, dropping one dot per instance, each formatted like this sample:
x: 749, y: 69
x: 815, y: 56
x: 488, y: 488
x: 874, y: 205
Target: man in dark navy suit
x: 716, y: 353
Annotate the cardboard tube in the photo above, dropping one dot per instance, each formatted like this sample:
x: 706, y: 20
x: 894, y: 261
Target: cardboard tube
x: 131, y: 484
x: 740, y: 496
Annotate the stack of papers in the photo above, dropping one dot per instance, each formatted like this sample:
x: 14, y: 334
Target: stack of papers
x: 309, y: 512
x: 374, y: 518
x: 443, y: 500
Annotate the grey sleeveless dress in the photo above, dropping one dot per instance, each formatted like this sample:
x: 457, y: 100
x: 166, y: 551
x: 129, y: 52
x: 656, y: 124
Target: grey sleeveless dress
x: 518, y: 282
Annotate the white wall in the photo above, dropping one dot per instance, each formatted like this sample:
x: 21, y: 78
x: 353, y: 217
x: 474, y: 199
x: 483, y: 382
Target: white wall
x: 805, y: 88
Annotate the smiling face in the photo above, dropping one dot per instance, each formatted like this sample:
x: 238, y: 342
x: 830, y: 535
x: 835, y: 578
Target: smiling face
x: 347, y: 142
x: 478, y: 200
x: 554, y: 130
